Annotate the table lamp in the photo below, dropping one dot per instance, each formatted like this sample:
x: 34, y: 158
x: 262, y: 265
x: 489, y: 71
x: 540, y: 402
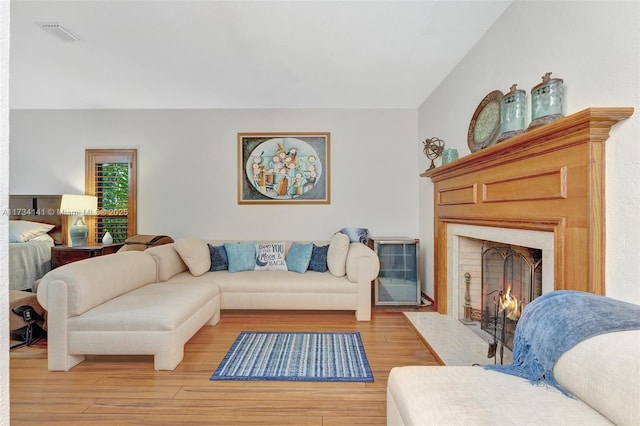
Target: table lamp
x: 78, y: 206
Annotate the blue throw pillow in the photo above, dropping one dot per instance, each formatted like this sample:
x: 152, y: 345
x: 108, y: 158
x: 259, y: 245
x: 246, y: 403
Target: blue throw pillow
x: 299, y: 256
x: 242, y: 256
x: 318, y: 260
x: 219, y: 261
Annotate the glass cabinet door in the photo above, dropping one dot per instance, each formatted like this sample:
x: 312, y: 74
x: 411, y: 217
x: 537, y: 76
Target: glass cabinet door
x: 398, y: 280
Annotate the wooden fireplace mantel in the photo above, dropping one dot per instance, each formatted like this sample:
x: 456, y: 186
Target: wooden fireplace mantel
x: 548, y: 179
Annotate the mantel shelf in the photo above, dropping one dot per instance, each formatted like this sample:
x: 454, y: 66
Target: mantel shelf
x: 596, y: 122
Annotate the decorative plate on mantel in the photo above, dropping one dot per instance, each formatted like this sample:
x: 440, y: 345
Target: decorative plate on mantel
x: 484, y: 128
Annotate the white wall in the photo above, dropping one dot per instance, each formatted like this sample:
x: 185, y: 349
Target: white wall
x: 4, y: 204
x: 595, y: 48
x: 188, y: 167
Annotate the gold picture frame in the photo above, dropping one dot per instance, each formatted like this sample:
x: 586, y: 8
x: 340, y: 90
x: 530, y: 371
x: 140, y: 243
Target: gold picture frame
x: 284, y: 168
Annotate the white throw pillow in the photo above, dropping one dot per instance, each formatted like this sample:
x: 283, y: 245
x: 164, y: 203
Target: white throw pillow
x: 169, y: 261
x: 270, y: 257
x: 195, y: 254
x: 44, y: 238
x: 337, y: 254
x: 21, y: 231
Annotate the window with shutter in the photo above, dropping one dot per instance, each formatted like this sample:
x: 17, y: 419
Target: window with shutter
x: 111, y: 176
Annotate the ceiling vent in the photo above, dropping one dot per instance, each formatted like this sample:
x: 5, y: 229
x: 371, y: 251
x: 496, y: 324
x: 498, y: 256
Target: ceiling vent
x: 58, y: 30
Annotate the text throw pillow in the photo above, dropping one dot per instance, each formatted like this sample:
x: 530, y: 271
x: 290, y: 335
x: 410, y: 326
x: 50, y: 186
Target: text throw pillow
x: 270, y: 257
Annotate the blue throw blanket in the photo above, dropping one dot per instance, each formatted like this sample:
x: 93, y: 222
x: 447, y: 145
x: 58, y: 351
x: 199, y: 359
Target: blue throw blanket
x: 555, y: 322
x: 356, y: 234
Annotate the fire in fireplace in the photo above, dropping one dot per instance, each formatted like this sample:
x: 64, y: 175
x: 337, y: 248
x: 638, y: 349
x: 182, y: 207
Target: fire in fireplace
x: 511, y: 278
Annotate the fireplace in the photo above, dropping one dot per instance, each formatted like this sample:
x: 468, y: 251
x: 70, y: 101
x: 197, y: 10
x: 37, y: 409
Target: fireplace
x: 547, y: 185
x: 467, y: 243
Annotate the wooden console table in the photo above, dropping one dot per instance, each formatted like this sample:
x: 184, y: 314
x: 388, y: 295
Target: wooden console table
x: 61, y: 255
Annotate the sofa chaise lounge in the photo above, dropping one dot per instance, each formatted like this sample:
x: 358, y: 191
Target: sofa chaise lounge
x: 154, y: 301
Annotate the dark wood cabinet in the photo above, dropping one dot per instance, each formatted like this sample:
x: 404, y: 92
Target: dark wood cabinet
x: 61, y: 255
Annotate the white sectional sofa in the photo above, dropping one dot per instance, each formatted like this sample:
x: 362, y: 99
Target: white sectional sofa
x: 153, y: 302
x: 602, y: 373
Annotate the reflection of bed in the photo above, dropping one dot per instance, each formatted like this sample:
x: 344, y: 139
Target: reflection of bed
x: 30, y: 260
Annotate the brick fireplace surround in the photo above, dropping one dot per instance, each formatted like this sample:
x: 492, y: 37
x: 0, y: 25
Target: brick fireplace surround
x: 549, y: 179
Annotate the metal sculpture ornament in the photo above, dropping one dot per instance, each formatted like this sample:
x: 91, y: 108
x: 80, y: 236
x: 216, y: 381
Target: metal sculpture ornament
x: 433, y: 149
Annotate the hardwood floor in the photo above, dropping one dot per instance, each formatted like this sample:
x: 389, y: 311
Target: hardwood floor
x: 125, y: 390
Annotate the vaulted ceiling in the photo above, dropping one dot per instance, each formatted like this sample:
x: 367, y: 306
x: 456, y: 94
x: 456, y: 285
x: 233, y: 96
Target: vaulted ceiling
x: 240, y: 54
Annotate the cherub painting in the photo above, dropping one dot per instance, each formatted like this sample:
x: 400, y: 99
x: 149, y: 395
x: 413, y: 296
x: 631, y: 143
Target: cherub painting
x: 283, y: 168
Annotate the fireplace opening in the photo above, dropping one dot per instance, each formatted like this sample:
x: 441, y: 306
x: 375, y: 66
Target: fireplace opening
x: 511, y: 278
x: 497, y: 280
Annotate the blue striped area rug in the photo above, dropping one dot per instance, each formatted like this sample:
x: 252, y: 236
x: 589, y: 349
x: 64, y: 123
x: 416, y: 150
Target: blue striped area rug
x: 296, y: 356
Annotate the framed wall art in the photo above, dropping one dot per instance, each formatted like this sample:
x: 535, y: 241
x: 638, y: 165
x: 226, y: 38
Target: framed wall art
x: 283, y: 168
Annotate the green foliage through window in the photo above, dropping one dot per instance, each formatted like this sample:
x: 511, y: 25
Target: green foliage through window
x: 113, y: 181
x: 112, y: 189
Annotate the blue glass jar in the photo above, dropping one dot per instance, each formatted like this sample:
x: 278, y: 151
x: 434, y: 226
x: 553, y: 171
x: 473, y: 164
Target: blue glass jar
x: 449, y: 155
x: 512, y: 113
x: 546, y: 101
